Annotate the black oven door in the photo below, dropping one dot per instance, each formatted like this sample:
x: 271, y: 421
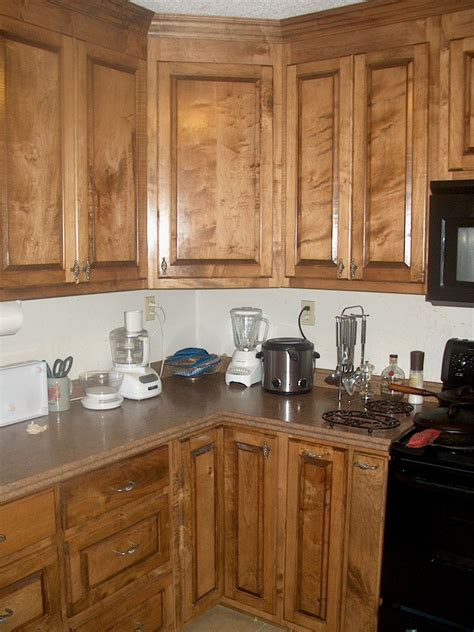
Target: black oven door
x: 451, y: 243
x: 428, y: 564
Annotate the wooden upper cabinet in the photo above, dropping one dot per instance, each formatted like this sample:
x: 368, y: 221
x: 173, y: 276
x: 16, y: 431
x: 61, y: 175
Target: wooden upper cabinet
x: 111, y: 164
x: 36, y: 156
x: 357, y: 168
x: 390, y: 165
x: 319, y: 102
x: 214, y: 170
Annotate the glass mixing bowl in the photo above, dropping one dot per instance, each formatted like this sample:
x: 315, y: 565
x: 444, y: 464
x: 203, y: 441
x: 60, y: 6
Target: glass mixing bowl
x: 101, y: 383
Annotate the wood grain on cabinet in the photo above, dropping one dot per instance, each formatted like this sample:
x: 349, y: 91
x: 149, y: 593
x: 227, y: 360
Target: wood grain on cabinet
x: 36, y: 156
x: 214, y: 178
x: 30, y: 592
x: 102, y: 490
x: 111, y: 164
x: 314, y: 536
x: 202, y: 531
x: 364, y: 535
x: 250, y: 499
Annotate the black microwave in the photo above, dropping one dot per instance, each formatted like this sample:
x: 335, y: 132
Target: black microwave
x: 451, y: 243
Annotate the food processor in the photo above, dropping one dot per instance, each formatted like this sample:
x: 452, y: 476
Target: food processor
x: 245, y: 367
x: 130, y: 348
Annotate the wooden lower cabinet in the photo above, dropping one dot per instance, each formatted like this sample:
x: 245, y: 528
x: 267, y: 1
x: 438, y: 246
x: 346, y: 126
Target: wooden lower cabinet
x: 201, y: 541
x: 365, y: 517
x: 250, y: 508
x: 314, y: 535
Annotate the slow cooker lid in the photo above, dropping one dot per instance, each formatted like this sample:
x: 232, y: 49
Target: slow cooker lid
x: 285, y: 344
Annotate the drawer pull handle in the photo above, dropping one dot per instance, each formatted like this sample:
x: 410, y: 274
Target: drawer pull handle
x: 130, y: 486
x: 2, y: 538
x: 266, y: 451
x: 133, y: 548
x: 365, y: 466
x: 313, y: 455
x: 7, y: 614
x: 139, y: 627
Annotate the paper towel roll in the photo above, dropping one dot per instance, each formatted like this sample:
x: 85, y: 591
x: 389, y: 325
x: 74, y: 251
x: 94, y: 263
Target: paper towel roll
x: 11, y: 318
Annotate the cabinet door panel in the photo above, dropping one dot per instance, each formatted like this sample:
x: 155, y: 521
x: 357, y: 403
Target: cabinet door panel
x: 111, y: 142
x: 461, y: 105
x: 390, y: 164
x: 366, y: 515
x: 202, y: 501
x: 318, y: 167
x: 250, y: 518
x: 36, y: 156
x: 314, y: 535
x: 215, y: 170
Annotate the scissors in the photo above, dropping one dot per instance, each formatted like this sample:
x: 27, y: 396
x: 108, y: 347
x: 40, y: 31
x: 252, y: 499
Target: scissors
x: 62, y: 367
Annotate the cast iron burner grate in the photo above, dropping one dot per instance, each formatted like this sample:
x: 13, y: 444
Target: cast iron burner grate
x: 361, y: 419
x: 388, y: 407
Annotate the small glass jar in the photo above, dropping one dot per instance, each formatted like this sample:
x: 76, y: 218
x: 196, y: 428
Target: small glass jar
x: 392, y: 374
x: 365, y: 390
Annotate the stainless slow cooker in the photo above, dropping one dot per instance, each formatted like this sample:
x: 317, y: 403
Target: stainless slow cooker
x: 287, y: 365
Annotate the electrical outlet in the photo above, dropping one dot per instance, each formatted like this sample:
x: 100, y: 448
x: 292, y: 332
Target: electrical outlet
x: 150, y: 308
x: 308, y: 317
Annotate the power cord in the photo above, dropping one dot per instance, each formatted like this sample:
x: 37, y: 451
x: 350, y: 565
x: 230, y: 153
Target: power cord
x: 304, y: 309
x: 161, y: 321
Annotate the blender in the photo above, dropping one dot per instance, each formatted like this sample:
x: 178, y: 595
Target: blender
x: 245, y: 367
x: 130, y: 348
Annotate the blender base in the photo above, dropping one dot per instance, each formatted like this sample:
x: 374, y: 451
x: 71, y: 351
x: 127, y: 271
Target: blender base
x: 244, y: 368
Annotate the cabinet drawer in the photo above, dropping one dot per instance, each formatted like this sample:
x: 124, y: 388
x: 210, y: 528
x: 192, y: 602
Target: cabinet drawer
x: 120, y: 548
x: 29, y: 593
x: 148, y: 609
x: 16, y: 530
x: 93, y: 494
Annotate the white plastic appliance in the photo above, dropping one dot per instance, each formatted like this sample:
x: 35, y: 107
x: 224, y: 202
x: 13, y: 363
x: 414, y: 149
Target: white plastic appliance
x: 130, y: 347
x: 23, y: 392
x: 245, y: 367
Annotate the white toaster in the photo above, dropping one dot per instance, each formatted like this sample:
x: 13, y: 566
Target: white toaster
x: 23, y: 391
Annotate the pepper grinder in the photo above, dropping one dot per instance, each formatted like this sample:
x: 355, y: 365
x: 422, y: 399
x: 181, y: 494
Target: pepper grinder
x: 416, y: 375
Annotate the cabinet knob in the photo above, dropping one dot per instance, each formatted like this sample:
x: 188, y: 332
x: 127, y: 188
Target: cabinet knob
x: 266, y: 450
x: 353, y: 269
x: 76, y: 271
x: 164, y: 265
x: 2, y: 538
x: 340, y: 268
x: 365, y: 466
x: 6, y: 615
x: 87, y: 269
x: 126, y: 488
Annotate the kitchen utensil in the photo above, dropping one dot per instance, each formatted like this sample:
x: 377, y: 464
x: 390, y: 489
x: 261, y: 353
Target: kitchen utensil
x: 61, y: 368
x: 102, y: 389
x: 48, y: 369
x: 287, y: 365
x: 130, y: 348
x: 245, y: 367
x: 460, y: 396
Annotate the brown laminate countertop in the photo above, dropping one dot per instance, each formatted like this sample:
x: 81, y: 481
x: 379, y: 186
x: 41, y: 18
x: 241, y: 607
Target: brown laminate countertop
x: 80, y: 440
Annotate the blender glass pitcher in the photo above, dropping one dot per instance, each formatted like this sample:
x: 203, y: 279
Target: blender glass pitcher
x: 246, y: 324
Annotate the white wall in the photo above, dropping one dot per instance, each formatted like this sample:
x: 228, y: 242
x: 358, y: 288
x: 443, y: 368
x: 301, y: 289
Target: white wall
x: 80, y: 326
x: 396, y: 324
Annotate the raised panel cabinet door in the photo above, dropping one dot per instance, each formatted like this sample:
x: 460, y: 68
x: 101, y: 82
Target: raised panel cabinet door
x: 37, y: 244
x: 214, y: 170
x: 314, y: 535
x: 319, y: 155
x: 202, y: 532
x: 250, y: 492
x: 111, y: 113
x: 366, y: 516
x: 461, y: 105
x: 390, y: 165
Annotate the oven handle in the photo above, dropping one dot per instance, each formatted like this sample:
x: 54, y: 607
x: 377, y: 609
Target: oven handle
x: 416, y: 481
x: 441, y: 560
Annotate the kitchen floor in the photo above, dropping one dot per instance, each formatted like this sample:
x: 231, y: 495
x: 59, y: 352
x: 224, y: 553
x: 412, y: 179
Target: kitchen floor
x: 222, y: 619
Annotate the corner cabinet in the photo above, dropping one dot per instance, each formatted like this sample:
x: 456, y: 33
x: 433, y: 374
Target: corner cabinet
x: 357, y: 170
x: 214, y: 177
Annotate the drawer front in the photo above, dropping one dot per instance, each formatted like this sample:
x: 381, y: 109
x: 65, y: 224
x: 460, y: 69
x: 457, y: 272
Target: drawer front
x: 16, y: 530
x: 121, y: 550
x: 29, y: 593
x: 93, y: 494
x: 147, y: 607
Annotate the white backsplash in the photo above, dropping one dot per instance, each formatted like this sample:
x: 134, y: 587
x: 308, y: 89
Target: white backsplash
x: 80, y: 326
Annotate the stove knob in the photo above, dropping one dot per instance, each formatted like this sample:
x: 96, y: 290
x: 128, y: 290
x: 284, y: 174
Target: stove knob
x: 303, y: 383
x: 276, y: 383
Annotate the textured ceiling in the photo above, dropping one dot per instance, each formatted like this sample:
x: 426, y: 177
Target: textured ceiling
x: 273, y: 9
